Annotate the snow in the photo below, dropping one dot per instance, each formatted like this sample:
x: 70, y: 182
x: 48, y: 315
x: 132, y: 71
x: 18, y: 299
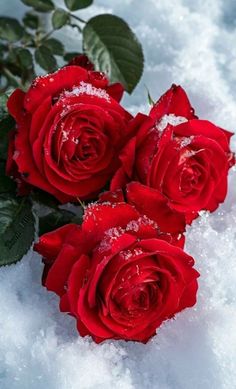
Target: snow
x: 191, y: 43
x: 90, y: 90
x: 170, y: 119
x: 186, y: 141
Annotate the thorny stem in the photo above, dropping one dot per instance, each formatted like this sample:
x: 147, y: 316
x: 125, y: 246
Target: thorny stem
x: 78, y: 18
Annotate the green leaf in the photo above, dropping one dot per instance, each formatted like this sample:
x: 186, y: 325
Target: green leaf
x: 114, y: 49
x: 40, y: 5
x: 12, y: 55
x: 59, y: 18
x: 55, y: 46
x: 44, y: 57
x: 10, y: 29
x: 31, y: 20
x: 16, y: 228
x: 6, y: 183
x: 73, y: 5
x: 13, y: 66
x: 28, y: 39
x: 43, y: 198
x: 20, y: 63
x: 25, y: 58
x: 6, y: 125
x: 57, y: 218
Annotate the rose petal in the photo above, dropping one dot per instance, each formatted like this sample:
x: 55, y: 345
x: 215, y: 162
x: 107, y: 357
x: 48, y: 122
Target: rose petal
x: 116, y: 91
x: 58, y: 274
x: 15, y: 104
x: 153, y: 204
x: 174, y: 101
x: 53, y: 84
x: 50, y: 244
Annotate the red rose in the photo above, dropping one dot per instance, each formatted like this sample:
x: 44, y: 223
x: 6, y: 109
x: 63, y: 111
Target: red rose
x: 184, y: 159
x: 115, y: 274
x: 69, y: 133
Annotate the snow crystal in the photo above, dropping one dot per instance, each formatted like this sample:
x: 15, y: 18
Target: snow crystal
x: 91, y: 207
x: 148, y: 222
x: 65, y: 136
x: 114, y: 233
x: 133, y: 225
x: 127, y: 254
x: 138, y: 251
x: 170, y: 119
x: 186, y: 141
x: 88, y: 89
x: 186, y: 42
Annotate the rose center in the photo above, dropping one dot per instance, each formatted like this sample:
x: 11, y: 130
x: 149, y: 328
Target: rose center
x: 87, y: 146
x: 190, y: 179
x: 78, y: 140
x: 138, y: 298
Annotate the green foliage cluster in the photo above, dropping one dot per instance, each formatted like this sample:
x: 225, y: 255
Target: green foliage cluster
x: 106, y: 39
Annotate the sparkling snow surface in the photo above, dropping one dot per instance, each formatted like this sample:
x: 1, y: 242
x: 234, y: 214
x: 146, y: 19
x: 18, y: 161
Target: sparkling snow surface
x: 187, y: 42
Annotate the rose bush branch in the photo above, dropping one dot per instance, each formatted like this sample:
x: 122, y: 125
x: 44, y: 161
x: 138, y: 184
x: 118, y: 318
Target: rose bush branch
x: 23, y: 45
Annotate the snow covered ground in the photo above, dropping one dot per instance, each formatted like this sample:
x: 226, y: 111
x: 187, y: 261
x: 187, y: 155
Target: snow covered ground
x: 192, y: 43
